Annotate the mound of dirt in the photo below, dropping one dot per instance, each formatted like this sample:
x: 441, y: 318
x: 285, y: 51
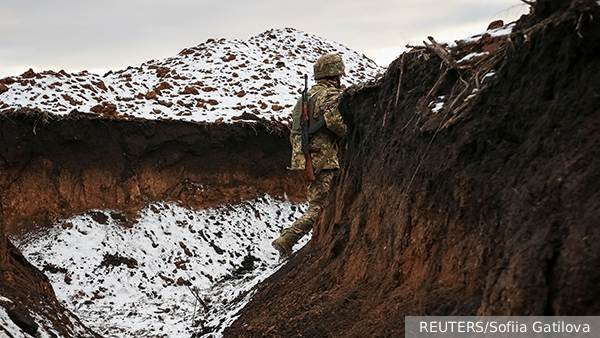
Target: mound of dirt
x: 461, y: 192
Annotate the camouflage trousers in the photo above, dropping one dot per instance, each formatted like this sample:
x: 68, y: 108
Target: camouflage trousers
x: 316, y: 192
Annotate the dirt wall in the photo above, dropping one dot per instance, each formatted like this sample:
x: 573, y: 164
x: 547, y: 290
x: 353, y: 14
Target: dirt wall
x: 53, y: 167
x: 492, y: 211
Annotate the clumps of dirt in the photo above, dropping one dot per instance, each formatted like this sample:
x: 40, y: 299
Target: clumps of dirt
x: 247, y: 265
x: 493, y: 214
x: 116, y: 260
x: 49, y: 267
x: 99, y: 216
x: 22, y: 318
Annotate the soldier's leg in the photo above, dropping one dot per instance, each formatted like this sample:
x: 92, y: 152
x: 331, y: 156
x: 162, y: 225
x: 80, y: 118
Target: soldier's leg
x: 316, y: 191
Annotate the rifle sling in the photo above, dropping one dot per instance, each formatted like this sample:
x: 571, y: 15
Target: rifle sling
x: 325, y: 158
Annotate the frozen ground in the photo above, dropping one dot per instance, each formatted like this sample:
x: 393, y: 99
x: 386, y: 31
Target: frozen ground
x: 137, y: 280
x: 215, y: 81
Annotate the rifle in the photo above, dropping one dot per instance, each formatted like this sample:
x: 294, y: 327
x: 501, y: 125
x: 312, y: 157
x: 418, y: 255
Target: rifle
x: 307, y: 148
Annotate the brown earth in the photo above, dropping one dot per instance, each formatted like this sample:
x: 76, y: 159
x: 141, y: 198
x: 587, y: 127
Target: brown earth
x: 492, y: 211
x: 54, y: 167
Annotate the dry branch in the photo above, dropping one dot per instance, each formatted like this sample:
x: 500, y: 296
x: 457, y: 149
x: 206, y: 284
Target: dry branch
x: 400, y: 80
x: 442, y: 53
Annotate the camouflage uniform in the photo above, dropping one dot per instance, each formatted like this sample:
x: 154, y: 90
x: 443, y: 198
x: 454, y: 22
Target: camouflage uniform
x: 323, y: 105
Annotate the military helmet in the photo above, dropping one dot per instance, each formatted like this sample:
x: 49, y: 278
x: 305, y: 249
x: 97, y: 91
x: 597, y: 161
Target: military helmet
x: 329, y: 65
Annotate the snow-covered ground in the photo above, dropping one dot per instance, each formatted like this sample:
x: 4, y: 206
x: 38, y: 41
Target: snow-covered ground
x: 137, y: 280
x: 218, y: 80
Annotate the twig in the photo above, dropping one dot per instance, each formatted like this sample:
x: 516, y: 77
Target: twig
x: 400, y: 80
x: 198, y: 298
x: 194, y: 315
x: 397, y: 90
x: 409, y: 121
x: 442, y: 53
x: 578, y: 28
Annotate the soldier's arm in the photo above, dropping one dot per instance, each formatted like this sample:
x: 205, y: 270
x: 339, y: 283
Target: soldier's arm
x: 333, y: 118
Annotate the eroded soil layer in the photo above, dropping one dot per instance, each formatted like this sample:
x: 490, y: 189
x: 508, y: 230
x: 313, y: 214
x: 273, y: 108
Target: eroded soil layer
x: 494, y: 211
x: 53, y: 167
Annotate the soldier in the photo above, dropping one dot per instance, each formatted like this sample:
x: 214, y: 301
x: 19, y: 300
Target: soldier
x: 322, y: 106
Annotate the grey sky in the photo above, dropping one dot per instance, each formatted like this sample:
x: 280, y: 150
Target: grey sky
x: 102, y: 35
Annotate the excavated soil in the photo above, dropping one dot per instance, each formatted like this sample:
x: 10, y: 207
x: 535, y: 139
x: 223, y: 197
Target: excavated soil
x: 486, y: 208
x: 54, y: 167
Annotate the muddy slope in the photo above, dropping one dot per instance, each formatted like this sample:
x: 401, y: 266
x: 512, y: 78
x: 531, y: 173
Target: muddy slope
x: 53, y: 167
x: 493, y: 211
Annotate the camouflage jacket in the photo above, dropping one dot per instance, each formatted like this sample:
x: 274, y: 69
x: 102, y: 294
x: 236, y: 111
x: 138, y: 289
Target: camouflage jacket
x: 322, y: 103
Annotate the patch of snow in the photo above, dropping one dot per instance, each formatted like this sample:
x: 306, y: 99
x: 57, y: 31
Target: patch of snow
x: 438, y: 107
x: 128, y: 280
x: 489, y: 75
x: 472, y: 55
x: 501, y: 31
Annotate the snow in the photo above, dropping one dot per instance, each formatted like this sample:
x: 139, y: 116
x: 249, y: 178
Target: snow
x: 472, y: 55
x: 8, y: 328
x: 438, y: 107
x: 489, y: 75
x: 501, y: 31
x: 216, y: 81
x: 167, y: 246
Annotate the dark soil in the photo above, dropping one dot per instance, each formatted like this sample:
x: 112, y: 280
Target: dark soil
x: 116, y: 260
x: 492, y: 211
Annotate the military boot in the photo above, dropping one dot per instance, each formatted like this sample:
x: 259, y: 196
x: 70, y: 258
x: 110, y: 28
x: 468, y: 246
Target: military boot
x: 283, y: 245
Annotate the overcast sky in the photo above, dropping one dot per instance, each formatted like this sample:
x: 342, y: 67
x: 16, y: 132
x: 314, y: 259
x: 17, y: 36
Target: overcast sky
x: 104, y: 35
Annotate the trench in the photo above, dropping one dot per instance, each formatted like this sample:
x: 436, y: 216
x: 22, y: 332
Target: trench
x: 490, y: 209
x: 81, y: 175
